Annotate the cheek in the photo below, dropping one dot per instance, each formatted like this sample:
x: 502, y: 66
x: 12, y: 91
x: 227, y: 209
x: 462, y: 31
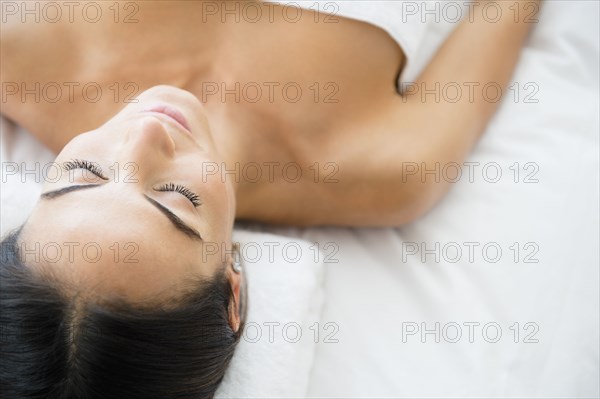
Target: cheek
x: 219, y: 203
x: 219, y: 194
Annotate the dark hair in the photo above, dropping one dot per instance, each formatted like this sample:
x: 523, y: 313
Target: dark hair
x: 49, y: 348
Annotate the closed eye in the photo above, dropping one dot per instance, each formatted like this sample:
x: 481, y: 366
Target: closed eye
x: 183, y: 190
x: 75, y: 164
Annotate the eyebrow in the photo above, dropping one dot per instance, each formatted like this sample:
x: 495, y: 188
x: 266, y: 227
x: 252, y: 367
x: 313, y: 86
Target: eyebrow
x: 66, y: 190
x: 174, y: 219
x: 177, y: 222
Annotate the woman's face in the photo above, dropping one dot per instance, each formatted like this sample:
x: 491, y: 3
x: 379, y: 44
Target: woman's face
x: 133, y: 212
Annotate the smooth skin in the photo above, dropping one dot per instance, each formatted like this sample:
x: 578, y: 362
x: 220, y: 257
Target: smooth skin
x: 368, y: 135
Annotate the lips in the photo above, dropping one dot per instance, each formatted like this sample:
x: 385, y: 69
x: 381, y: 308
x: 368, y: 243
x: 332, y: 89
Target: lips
x: 172, y: 113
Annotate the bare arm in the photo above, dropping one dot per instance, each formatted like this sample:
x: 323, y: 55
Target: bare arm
x: 421, y: 131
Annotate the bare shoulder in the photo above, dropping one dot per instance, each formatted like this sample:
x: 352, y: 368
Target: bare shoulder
x: 350, y: 175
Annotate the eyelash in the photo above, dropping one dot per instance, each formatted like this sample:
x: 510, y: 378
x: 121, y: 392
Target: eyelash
x: 81, y: 164
x: 186, y: 192
x: 96, y: 170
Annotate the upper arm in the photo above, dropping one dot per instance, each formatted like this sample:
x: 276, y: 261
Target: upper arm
x: 361, y: 174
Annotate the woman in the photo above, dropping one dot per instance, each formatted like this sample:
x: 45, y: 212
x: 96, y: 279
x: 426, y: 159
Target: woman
x: 156, y: 308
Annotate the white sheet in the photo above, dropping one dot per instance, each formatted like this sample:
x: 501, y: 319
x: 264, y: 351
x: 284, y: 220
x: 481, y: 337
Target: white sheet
x: 377, y: 287
x: 373, y: 290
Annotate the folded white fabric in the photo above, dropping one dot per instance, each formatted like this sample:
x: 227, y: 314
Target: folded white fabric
x: 285, y: 286
x: 284, y: 275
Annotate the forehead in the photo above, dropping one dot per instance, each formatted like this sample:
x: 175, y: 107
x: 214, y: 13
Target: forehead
x: 115, y: 246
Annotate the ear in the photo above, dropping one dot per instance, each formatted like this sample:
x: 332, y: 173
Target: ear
x: 235, y: 282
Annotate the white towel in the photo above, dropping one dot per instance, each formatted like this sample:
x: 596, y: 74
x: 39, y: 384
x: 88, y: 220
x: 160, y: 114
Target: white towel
x: 276, y: 352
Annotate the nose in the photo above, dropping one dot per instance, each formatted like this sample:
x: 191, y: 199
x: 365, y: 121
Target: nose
x: 148, y: 144
x: 151, y: 137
